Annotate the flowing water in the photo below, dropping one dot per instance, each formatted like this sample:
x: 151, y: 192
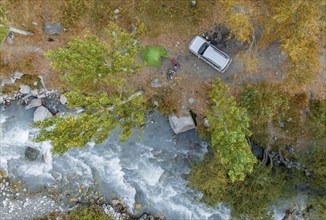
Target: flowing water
x: 151, y: 172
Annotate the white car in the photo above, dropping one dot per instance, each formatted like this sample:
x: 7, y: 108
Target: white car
x: 210, y: 54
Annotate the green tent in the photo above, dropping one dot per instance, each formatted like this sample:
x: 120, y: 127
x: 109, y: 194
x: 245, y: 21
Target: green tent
x: 152, y: 55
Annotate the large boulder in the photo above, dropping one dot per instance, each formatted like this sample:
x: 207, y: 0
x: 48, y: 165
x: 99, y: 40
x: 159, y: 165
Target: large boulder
x: 181, y: 124
x: 34, y: 103
x: 42, y: 113
x: 31, y: 153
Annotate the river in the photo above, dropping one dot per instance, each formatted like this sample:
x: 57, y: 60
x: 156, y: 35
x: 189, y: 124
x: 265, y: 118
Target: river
x: 151, y: 172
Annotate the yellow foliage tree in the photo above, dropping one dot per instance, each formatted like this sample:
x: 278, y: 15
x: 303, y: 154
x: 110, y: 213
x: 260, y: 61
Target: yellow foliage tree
x: 297, y: 25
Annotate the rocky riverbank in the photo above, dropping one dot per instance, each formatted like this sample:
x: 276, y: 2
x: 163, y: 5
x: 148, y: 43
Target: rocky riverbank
x: 19, y: 202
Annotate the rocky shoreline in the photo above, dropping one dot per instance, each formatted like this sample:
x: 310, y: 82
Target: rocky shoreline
x: 17, y: 198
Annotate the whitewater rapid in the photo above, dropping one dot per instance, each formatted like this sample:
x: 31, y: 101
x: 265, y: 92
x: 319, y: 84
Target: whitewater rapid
x: 152, y: 172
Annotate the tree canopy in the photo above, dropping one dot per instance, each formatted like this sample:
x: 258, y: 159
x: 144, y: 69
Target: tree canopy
x: 296, y: 24
x: 229, y: 127
x: 96, y: 73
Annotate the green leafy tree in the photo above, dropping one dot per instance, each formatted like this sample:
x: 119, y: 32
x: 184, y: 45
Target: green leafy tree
x: 228, y: 130
x: 96, y: 74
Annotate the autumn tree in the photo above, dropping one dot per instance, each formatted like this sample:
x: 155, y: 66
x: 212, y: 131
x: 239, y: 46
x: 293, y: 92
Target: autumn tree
x: 297, y: 25
x: 240, y: 22
x: 96, y: 76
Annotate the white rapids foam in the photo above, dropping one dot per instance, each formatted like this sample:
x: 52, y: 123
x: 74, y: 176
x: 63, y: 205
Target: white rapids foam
x: 151, y: 172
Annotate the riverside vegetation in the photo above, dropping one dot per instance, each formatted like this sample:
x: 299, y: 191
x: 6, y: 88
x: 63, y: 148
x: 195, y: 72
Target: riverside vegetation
x: 278, y: 115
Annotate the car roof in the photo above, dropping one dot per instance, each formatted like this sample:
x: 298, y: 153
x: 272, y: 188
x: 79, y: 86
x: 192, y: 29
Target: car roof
x: 196, y: 43
x: 216, y: 57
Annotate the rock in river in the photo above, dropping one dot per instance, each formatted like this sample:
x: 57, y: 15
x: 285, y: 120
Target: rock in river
x: 181, y: 124
x: 31, y: 153
x: 42, y: 113
x: 34, y: 103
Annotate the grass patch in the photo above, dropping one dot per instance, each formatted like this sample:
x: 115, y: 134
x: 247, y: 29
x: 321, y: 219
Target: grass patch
x: 73, y: 11
x: 4, y: 24
x: 81, y: 213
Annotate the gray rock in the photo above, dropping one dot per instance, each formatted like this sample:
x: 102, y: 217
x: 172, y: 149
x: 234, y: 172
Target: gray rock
x: 181, y: 124
x: 115, y: 202
x: 24, y: 89
x: 257, y: 151
x: 41, y: 96
x: 156, y: 83
x: 56, y: 175
x: 34, y: 92
x: 63, y: 99
x: 116, y: 11
x: 31, y: 153
x: 280, y: 123
x: 2, y: 100
x: 42, y: 113
x: 17, y: 75
x: 155, y: 103
x: 205, y: 123
x: 52, y: 28
x: 25, y: 98
x: 146, y: 216
x: 302, y: 187
x: 108, y: 210
x: 10, y: 39
x: 34, y: 103
x: 42, y: 81
x: 193, y: 3
x: 191, y: 101
x: 6, y: 82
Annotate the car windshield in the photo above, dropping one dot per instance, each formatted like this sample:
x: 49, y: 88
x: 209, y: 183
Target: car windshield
x: 203, y: 48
